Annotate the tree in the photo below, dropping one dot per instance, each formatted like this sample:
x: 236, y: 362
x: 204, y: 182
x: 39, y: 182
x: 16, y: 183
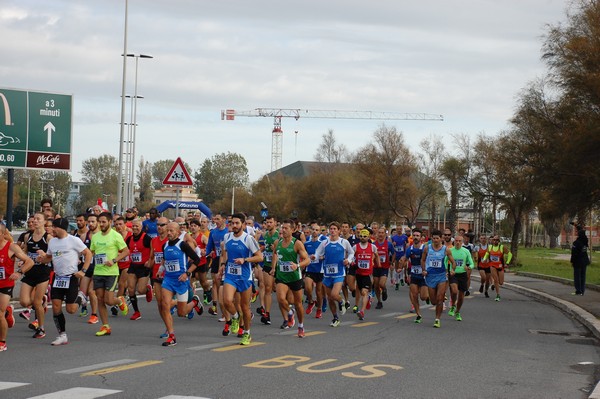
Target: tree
x: 219, y: 174
x: 453, y: 170
x: 330, y: 151
x: 145, y: 189
x: 100, y: 175
x: 430, y: 160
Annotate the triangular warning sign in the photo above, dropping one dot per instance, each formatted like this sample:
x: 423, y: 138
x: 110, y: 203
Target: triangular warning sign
x: 178, y: 175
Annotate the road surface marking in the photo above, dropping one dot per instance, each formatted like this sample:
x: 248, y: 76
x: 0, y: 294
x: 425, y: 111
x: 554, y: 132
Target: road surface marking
x: 209, y: 346
x: 366, y: 324
x: 9, y: 385
x: 121, y: 368
x: 96, y: 366
x: 237, y: 346
x: 78, y: 392
x: 407, y: 316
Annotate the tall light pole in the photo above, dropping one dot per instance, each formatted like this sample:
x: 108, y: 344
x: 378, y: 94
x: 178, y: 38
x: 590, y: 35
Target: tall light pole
x: 122, y: 134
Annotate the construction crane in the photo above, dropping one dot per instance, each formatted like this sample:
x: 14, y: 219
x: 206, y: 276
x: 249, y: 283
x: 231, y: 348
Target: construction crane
x: 278, y: 113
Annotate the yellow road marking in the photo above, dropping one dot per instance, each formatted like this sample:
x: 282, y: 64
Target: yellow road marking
x: 368, y: 323
x: 121, y: 368
x: 407, y: 316
x: 311, y: 333
x: 237, y: 346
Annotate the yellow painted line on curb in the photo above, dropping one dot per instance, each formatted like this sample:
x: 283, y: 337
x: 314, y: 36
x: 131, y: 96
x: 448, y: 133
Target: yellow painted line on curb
x: 121, y: 368
x: 368, y: 323
x: 237, y: 346
x: 407, y: 316
x: 311, y: 333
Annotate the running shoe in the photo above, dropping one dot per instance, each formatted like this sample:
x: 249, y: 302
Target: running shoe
x: 212, y: 310
x: 104, y: 330
x: 254, y: 296
x: 452, y: 311
x: 427, y: 301
x: 93, y: 319
x: 235, y: 324
x: 402, y: 282
x: 437, y: 323
x: 208, y: 297
x: 81, y: 299
x: 419, y: 319
x: 347, y: 305
x: 284, y: 325
x: 458, y: 317
x: 33, y: 325
x: 310, y: 307
x: 171, y: 341
x: 26, y: 314
x: 291, y: 320
x: 83, y: 312
x: 136, y: 316
x: 481, y: 289
x: 123, y: 306
x: 384, y: 294
x: 324, y: 307
x: 60, y: 340
x: 221, y: 319
x: 260, y: 310
x: 300, y: 332
x: 10, y: 318
x: 335, y: 322
x: 354, y: 309
x: 190, y: 315
x: 369, y: 302
x: 497, y: 298
x: 246, y: 339
x: 467, y: 293
x: 412, y: 308
x: 493, y: 287
x: 114, y: 310
x: 39, y: 333
x: 226, y: 328
x: 198, y: 306
x: 266, y: 318
x: 379, y: 305
x: 361, y: 315
x: 487, y: 295
x: 240, y: 333
x: 173, y: 309
x: 164, y: 335
x: 342, y: 307
x: 149, y: 293
x: 319, y: 314
x: 397, y: 286
x: 3, y: 346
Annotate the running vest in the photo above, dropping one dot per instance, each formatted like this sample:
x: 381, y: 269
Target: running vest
x: 238, y: 247
x: 335, y: 254
x: 315, y: 265
x: 414, y: 255
x: 7, y: 267
x: 384, y: 253
x: 435, y: 260
x: 157, y: 247
x: 269, y: 241
x: 364, y: 259
x: 126, y: 261
x: 481, y: 251
x: 285, y: 257
x: 202, y: 246
x: 33, y: 246
x: 138, y: 252
x: 399, y: 243
x: 496, y: 256
x: 175, y: 260
x: 87, y: 241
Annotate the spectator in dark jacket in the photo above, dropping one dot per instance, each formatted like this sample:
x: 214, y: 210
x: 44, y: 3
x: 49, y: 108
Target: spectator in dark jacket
x: 579, y: 260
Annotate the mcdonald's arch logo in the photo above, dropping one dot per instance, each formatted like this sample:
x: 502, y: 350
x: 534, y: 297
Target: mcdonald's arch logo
x: 7, y: 120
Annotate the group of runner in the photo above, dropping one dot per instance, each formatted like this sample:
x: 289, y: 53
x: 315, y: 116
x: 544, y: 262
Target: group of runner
x: 108, y: 260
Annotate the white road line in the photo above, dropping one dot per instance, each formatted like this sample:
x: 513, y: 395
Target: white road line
x: 96, y: 366
x: 78, y: 393
x: 209, y: 346
x: 391, y: 314
x: 9, y: 385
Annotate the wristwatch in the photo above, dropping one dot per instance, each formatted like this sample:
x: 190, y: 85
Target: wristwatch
x: 188, y: 274
x: 114, y: 260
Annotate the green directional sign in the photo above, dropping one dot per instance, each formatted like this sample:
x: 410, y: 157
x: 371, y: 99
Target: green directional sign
x: 35, y: 129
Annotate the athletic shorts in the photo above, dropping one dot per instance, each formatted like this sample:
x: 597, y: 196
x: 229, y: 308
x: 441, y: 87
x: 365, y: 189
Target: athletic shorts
x: 350, y: 271
x: 498, y: 269
x: 329, y: 282
x: 214, y: 264
x: 380, y: 272
x: 486, y: 269
x: 108, y: 283
x: 67, y: 294
x: 7, y: 291
x: 267, y: 269
x: 433, y: 280
x: 179, y: 288
x: 462, y: 279
x: 363, y: 282
x: 202, y: 268
x: 239, y: 284
x: 419, y: 281
x: 452, y: 279
x: 316, y: 277
x: 156, y: 281
x: 294, y: 285
x: 36, y: 275
x: 140, y: 271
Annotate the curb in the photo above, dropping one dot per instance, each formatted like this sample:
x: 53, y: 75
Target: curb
x: 556, y: 279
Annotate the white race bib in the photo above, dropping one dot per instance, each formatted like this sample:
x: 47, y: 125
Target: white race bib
x: 2, y: 273
x: 100, y: 259
x: 285, y: 267
x: 458, y: 262
x: 61, y: 282
x: 172, y: 266
x: 268, y: 256
x: 233, y: 269
x: 436, y: 263
x: 125, y: 259
x: 218, y: 251
x: 416, y: 269
x: 136, y: 257
x: 494, y: 258
x: 364, y: 264
x: 33, y: 256
x: 382, y: 258
x: 331, y: 269
x: 158, y: 257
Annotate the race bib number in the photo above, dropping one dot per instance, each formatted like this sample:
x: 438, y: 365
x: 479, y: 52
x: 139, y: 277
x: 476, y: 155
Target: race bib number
x: 136, y: 257
x: 364, y: 264
x: 172, y: 266
x: 218, y: 251
x: 61, y: 282
x: 2, y: 273
x: 436, y: 263
x: 125, y: 259
x: 331, y: 269
x: 416, y: 269
x: 458, y: 262
x: 100, y: 259
x: 494, y: 258
x: 158, y: 257
x: 33, y: 256
x: 268, y: 256
x: 285, y: 267
x: 233, y: 269
x: 399, y: 249
x: 382, y: 258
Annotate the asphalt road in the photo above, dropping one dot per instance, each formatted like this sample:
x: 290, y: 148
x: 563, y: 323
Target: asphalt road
x: 512, y: 349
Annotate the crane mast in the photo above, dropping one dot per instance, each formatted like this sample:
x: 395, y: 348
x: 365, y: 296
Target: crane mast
x: 278, y: 113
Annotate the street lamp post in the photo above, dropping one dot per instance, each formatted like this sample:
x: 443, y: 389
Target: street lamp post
x: 122, y: 133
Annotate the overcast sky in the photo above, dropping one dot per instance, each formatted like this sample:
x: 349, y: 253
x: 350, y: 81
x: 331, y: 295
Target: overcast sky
x: 464, y: 59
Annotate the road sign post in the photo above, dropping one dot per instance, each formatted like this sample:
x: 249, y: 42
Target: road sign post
x: 178, y: 176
